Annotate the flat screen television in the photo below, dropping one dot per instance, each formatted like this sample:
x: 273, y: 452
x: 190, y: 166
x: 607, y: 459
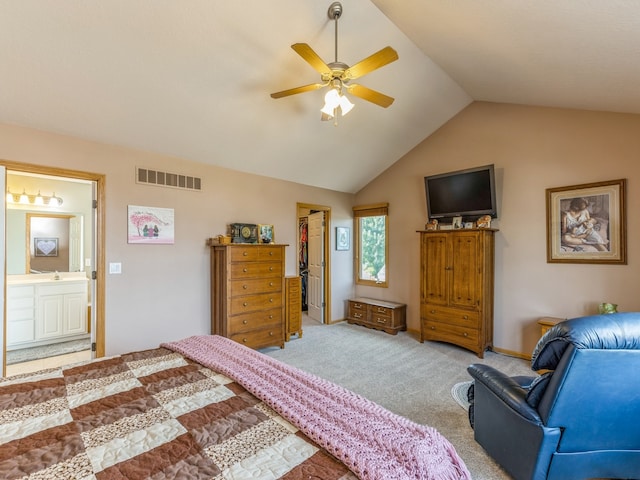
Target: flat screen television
x: 469, y: 193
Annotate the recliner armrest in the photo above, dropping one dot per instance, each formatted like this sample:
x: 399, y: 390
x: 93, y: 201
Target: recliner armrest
x: 505, y: 388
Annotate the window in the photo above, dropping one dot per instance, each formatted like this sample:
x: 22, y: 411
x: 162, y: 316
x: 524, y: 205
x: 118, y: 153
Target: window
x: 371, y: 244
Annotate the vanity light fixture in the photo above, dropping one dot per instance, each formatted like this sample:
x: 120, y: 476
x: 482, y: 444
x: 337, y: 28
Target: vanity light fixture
x: 25, y: 198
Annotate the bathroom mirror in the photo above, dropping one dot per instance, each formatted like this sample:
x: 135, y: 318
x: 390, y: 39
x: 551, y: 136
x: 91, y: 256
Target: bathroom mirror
x: 44, y: 242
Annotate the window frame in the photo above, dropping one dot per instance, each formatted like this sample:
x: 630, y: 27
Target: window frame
x: 360, y: 212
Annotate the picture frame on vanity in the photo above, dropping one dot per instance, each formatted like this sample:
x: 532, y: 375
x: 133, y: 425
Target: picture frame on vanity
x: 266, y: 234
x: 586, y: 223
x: 343, y: 241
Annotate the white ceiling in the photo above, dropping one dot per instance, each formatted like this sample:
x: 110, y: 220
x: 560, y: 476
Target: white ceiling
x: 192, y: 78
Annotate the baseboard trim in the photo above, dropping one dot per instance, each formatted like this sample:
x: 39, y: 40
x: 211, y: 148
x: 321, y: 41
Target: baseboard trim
x: 511, y: 353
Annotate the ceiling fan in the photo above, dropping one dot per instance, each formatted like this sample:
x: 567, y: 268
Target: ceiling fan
x: 337, y: 75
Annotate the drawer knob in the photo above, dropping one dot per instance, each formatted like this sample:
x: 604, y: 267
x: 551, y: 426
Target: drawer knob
x: 465, y: 334
x: 271, y: 284
x: 244, y: 304
x: 270, y: 317
x: 244, y: 254
x: 271, y: 254
x: 271, y: 269
x: 271, y: 334
x: 244, y: 340
x: 432, y: 327
x: 465, y: 317
x: 245, y: 322
x: 244, y: 270
x: 271, y: 300
x: 245, y: 286
x: 433, y: 311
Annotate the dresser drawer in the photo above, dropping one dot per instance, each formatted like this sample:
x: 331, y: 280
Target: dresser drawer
x: 452, y: 316
x: 252, y: 303
x: 449, y: 333
x: 260, y: 338
x: 250, y: 270
x: 243, y: 253
x: 255, y: 285
x: 269, y: 254
x: 256, y: 320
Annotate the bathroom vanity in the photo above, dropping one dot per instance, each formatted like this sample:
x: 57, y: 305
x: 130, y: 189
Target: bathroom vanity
x: 46, y: 308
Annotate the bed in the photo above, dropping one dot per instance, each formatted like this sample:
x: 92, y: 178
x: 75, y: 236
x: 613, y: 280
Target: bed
x: 206, y: 407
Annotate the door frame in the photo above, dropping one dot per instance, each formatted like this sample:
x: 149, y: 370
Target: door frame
x: 100, y: 179
x: 302, y: 211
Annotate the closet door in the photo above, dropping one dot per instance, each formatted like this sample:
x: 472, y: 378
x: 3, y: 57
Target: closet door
x: 315, y: 289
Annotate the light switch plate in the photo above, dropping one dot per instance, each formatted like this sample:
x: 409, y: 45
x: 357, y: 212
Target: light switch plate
x: 115, y: 268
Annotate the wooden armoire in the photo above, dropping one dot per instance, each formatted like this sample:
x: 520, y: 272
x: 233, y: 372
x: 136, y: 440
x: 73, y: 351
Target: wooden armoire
x: 456, y: 287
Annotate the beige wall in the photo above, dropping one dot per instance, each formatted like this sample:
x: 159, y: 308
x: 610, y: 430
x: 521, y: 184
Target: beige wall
x: 532, y: 149
x: 163, y: 291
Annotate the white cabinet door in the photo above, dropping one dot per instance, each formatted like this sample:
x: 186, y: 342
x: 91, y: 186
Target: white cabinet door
x: 75, y: 314
x: 50, y: 315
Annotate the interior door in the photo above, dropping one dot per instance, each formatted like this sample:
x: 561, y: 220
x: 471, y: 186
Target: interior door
x: 315, y: 288
x: 3, y: 180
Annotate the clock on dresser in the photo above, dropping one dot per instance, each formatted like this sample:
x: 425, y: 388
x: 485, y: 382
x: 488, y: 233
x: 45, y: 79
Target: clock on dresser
x: 243, y: 232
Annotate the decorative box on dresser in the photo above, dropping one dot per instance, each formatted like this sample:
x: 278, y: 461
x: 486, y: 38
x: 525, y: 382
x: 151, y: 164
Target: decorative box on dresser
x: 293, y: 307
x: 389, y: 317
x: 247, y: 293
x: 456, y: 287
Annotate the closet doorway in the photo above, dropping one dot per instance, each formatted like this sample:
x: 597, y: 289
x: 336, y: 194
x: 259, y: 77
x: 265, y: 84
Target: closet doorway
x: 42, y: 322
x: 314, y: 260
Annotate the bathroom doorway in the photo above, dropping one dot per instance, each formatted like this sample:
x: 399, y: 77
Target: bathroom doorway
x: 54, y: 267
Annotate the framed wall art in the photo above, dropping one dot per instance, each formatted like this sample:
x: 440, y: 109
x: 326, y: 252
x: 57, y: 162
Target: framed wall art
x: 342, y: 238
x: 587, y: 224
x: 45, y: 247
x: 150, y: 225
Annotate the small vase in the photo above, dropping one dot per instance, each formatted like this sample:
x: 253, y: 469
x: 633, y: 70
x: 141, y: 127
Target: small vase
x: 607, y: 308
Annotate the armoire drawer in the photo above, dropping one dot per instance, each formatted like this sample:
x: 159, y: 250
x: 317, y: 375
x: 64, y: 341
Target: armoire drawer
x: 449, y: 333
x: 452, y: 316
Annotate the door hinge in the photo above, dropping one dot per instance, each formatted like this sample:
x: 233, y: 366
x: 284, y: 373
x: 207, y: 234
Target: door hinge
x: 93, y: 346
x: 94, y: 275
x: 324, y: 304
x: 95, y: 203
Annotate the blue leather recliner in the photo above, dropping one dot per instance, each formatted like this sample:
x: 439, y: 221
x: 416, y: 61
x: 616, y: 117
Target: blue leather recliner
x: 580, y: 419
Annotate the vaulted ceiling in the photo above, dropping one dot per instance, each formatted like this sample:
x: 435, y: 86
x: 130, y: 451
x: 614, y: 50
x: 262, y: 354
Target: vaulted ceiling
x: 192, y: 78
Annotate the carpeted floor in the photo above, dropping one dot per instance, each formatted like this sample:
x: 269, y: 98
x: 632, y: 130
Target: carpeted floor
x: 46, y: 351
x: 403, y: 375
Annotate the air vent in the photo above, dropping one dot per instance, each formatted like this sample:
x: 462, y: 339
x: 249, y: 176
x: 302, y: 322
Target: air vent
x: 166, y: 179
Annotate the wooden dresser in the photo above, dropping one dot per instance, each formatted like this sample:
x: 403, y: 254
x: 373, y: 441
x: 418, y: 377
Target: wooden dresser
x: 247, y: 293
x: 389, y: 317
x: 293, y: 307
x: 456, y: 287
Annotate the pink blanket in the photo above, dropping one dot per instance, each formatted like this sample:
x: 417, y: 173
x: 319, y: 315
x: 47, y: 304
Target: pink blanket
x: 373, y: 442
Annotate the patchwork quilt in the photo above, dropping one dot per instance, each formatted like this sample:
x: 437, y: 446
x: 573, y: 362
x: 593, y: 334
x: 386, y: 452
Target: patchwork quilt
x: 148, y: 415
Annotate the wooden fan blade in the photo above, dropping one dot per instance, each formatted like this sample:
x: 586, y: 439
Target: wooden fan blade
x: 370, y: 95
x: 294, y: 91
x: 311, y: 57
x: 371, y: 63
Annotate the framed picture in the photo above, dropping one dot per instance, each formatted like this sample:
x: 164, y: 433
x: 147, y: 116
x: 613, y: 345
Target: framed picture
x: 266, y: 234
x: 150, y: 225
x: 457, y: 222
x: 45, y: 247
x: 587, y: 224
x: 342, y: 238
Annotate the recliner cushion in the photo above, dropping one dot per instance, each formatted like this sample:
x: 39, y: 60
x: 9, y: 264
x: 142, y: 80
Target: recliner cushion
x: 537, y: 389
x: 611, y: 331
